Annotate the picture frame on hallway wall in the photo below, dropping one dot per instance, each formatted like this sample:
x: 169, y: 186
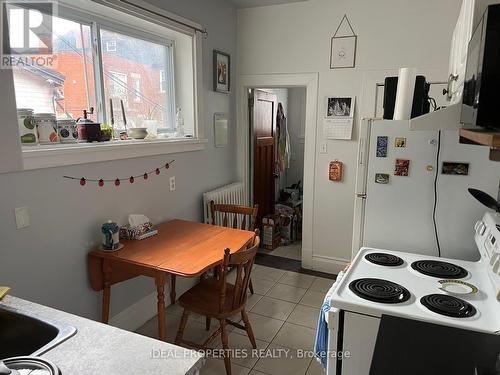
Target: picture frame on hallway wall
x: 222, y: 72
x: 343, y: 46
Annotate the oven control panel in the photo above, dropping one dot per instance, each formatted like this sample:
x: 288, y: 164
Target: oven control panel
x: 487, y: 238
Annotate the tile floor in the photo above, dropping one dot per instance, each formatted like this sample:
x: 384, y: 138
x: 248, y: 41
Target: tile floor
x: 292, y: 251
x: 283, y: 313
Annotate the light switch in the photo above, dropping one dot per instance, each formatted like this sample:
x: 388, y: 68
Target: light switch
x: 172, y: 183
x: 22, y: 217
x: 323, y: 148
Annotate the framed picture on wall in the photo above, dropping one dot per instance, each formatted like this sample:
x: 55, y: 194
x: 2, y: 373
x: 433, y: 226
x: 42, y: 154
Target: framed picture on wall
x: 222, y: 72
x: 343, y: 52
x: 343, y: 47
x: 340, y: 106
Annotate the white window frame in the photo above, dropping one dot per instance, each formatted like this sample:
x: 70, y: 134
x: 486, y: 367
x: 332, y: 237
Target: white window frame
x: 132, y: 31
x: 69, y: 154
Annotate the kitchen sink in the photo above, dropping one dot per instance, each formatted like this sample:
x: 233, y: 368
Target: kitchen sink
x: 23, y: 335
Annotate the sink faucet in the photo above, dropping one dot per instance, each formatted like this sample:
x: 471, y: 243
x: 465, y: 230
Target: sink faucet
x: 4, y: 290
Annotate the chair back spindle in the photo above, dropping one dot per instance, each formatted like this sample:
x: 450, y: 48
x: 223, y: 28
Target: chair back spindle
x: 226, y: 212
x: 243, y: 262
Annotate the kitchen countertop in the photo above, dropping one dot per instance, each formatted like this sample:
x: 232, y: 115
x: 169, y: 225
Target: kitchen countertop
x: 97, y: 348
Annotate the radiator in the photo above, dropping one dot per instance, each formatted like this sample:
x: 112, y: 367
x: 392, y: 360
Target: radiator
x: 229, y: 194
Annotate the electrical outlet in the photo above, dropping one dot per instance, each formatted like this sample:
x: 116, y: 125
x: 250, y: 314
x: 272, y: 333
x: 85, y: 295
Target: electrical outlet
x: 172, y: 183
x: 22, y: 217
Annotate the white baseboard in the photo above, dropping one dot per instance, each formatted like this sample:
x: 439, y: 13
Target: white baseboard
x: 137, y: 314
x: 328, y: 264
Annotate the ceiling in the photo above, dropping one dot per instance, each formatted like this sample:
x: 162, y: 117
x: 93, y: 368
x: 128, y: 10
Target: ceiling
x: 258, y: 3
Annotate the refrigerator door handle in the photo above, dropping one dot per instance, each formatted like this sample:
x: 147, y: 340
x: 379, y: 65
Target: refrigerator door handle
x: 361, y: 155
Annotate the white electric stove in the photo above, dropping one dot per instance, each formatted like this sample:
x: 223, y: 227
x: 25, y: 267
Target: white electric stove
x: 442, y: 291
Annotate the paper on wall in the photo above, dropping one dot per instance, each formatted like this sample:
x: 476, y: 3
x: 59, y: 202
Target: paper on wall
x: 337, y: 128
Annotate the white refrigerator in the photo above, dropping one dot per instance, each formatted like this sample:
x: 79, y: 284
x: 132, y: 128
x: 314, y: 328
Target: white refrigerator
x: 398, y: 214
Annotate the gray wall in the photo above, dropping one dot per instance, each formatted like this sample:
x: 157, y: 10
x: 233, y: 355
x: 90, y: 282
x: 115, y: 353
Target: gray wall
x: 47, y: 262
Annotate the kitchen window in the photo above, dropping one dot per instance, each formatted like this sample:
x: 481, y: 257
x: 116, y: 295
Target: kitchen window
x: 90, y: 71
x: 66, y: 87
x: 143, y: 61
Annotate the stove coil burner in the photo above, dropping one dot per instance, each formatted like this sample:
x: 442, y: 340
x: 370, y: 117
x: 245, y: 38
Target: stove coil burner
x: 383, y: 259
x: 448, y: 305
x: 378, y: 290
x: 439, y: 269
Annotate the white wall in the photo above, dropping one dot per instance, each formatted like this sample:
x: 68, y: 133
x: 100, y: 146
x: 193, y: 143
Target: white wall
x: 295, y: 38
x: 47, y: 262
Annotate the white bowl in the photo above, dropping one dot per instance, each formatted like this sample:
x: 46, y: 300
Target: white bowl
x: 138, y: 133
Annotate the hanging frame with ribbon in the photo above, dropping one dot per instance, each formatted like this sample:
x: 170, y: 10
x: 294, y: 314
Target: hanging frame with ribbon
x: 343, y: 47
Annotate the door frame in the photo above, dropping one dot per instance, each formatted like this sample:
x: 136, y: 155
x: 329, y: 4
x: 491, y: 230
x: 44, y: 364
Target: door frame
x: 262, y: 81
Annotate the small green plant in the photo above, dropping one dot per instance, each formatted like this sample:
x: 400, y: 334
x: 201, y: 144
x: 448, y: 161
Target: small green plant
x: 106, y: 131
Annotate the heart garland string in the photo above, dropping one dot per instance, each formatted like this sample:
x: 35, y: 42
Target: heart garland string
x: 117, y: 181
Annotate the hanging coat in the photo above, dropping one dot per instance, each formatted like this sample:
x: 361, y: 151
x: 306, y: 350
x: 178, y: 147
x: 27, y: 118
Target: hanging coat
x: 283, y: 139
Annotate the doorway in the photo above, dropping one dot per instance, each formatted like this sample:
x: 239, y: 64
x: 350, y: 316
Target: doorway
x: 289, y: 80
x: 277, y: 140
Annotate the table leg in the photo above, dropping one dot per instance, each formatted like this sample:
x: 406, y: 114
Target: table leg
x: 172, y: 289
x: 160, y: 290
x: 106, y: 292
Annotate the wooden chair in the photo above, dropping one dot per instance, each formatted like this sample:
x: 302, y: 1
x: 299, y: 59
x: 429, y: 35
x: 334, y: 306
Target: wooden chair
x: 236, y: 211
x: 215, y: 298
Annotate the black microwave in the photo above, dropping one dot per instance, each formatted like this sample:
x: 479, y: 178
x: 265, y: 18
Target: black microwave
x: 481, y: 96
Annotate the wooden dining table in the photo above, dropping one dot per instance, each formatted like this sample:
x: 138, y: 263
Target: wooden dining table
x: 181, y: 248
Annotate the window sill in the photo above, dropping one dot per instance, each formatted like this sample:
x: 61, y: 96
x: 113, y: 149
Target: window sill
x: 47, y: 156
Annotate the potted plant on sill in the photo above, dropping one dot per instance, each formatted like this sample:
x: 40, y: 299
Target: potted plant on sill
x: 106, y: 132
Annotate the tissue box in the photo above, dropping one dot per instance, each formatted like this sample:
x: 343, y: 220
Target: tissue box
x: 129, y: 233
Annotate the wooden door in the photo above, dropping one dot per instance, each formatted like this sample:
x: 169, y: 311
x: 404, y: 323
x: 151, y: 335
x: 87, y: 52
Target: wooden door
x: 263, y: 110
